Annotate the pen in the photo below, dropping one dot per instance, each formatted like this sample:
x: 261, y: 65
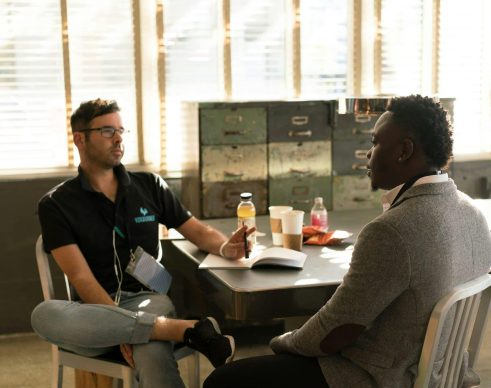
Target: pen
x: 245, y: 244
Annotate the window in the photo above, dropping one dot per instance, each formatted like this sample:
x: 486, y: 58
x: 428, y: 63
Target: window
x: 401, y: 29
x: 258, y: 44
x: 102, y: 61
x: 32, y: 96
x: 324, y: 48
x: 465, y: 72
x: 192, y: 73
x: 227, y: 49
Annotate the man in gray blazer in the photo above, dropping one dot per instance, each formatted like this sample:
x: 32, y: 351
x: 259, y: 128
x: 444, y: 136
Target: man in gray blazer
x: 429, y: 239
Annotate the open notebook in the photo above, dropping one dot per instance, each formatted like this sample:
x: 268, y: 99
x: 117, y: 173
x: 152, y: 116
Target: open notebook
x: 270, y: 256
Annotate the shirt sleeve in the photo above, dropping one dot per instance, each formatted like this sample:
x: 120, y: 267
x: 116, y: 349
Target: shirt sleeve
x: 173, y: 214
x: 55, y: 228
x: 379, y: 272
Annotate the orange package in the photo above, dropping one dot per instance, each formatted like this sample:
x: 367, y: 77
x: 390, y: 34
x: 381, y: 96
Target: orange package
x: 314, y: 236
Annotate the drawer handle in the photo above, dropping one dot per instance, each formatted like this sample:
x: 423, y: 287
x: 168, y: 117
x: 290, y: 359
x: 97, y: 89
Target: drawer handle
x: 363, y: 118
x: 300, y: 133
x: 234, y: 133
x: 361, y: 199
x: 361, y: 154
x: 357, y: 166
x: 358, y: 131
x: 299, y: 171
x: 233, y: 174
x: 233, y: 119
x: 300, y: 120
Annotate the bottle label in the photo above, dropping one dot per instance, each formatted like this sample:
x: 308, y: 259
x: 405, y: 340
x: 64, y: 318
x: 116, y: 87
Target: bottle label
x: 319, y: 220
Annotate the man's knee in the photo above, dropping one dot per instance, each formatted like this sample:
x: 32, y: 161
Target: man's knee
x: 47, y: 316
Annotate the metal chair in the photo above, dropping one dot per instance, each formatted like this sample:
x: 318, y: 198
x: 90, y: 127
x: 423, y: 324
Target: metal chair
x: 472, y: 303
x: 118, y: 369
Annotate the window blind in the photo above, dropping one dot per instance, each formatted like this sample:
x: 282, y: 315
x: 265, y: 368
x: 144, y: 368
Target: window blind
x: 32, y: 101
x: 258, y: 45
x: 465, y: 71
x: 324, y: 47
x: 102, y: 61
x: 192, y: 73
x: 401, y: 28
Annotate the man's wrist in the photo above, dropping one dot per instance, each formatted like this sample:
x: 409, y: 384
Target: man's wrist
x: 220, y: 251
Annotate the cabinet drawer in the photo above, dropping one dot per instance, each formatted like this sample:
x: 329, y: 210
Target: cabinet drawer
x: 233, y: 163
x: 299, y: 159
x: 350, y: 157
x: 355, y: 126
x: 220, y: 199
x: 300, y: 121
x: 233, y: 125
x: 300, y: 192
x: 354, y: 192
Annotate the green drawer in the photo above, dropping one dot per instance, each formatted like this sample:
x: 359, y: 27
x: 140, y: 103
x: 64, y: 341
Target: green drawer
x: 224, y: 163
x: 299, y: 159
x: 349, y: 156
x: 232, y: 125
x: 354, y: 192
x: 300, y: 192
x: 220, y: 199
x: 355, y: 126
x: 300, y: 121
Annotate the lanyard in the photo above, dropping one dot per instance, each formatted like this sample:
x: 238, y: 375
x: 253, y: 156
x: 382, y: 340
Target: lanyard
x: 411, y: 182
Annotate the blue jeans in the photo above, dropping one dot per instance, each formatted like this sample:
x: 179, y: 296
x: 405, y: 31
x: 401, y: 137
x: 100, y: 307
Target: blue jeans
x: 91, y: 330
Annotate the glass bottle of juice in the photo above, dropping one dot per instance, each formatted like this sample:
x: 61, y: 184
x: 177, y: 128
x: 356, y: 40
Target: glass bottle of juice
x: 246, y: 214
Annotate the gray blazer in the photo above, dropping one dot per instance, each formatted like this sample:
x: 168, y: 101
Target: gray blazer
x: 403, y: 262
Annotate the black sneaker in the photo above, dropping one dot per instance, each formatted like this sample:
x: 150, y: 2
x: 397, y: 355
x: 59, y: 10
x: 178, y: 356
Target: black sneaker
x: 206, y: 338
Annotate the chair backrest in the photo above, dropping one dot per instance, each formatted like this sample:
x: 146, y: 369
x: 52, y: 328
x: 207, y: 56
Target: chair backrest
x: 42, y: 260
x: 472, y: 303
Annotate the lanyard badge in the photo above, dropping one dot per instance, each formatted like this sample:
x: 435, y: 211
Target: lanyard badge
x: 148, y: 271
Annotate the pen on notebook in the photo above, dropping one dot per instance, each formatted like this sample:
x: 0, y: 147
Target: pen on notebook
x: 245, y: 244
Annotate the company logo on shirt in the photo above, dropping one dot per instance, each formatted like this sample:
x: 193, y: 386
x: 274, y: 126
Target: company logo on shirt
x: 144, y: 217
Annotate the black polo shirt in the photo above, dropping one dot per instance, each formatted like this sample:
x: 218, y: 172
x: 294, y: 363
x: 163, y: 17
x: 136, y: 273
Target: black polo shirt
x: 73, y: 213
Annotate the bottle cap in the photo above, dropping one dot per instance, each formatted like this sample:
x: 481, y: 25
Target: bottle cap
x: 245, y: 195
x: 318, y: 199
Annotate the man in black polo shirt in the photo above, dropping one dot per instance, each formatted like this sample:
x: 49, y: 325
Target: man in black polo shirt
x: 93, y: 225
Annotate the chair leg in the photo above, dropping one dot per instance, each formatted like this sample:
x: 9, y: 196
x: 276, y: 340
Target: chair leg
x: 193, y: 370
x: 128, y: 379
x: 56, y: 368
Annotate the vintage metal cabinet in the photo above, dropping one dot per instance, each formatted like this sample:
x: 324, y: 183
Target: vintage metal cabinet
x: 299, y: 152
x: 351, y: 142
x: 233, y: 157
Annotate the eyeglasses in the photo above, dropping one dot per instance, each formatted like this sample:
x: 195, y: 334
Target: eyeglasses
x: 106, y: 131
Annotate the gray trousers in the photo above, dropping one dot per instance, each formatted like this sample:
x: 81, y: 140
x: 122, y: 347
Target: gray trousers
x: 91, y: 329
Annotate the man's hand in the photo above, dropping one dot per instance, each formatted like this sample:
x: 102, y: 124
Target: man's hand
x: 127, y: 352
x: 235, y: 248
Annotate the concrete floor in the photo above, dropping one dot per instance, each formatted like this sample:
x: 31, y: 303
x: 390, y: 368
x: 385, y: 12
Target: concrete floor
x: 25, y: 360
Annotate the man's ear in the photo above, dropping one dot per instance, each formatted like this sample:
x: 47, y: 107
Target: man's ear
x: 78, y: 138
x: 407, y: 149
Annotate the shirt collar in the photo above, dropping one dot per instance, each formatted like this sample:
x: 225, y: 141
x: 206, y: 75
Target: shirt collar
x: 120, y: 172
x: 389, y: 196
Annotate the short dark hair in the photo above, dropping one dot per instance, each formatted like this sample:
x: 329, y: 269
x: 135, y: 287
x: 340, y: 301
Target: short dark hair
x: 89, y: 110
x: 429, y: 124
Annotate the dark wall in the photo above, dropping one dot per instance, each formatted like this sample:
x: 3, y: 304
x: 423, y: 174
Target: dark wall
x: 20, y: 289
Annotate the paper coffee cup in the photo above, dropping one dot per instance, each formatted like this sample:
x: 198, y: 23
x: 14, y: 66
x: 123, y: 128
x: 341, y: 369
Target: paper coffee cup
x: 275, y: 222
x: 292, y: 223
